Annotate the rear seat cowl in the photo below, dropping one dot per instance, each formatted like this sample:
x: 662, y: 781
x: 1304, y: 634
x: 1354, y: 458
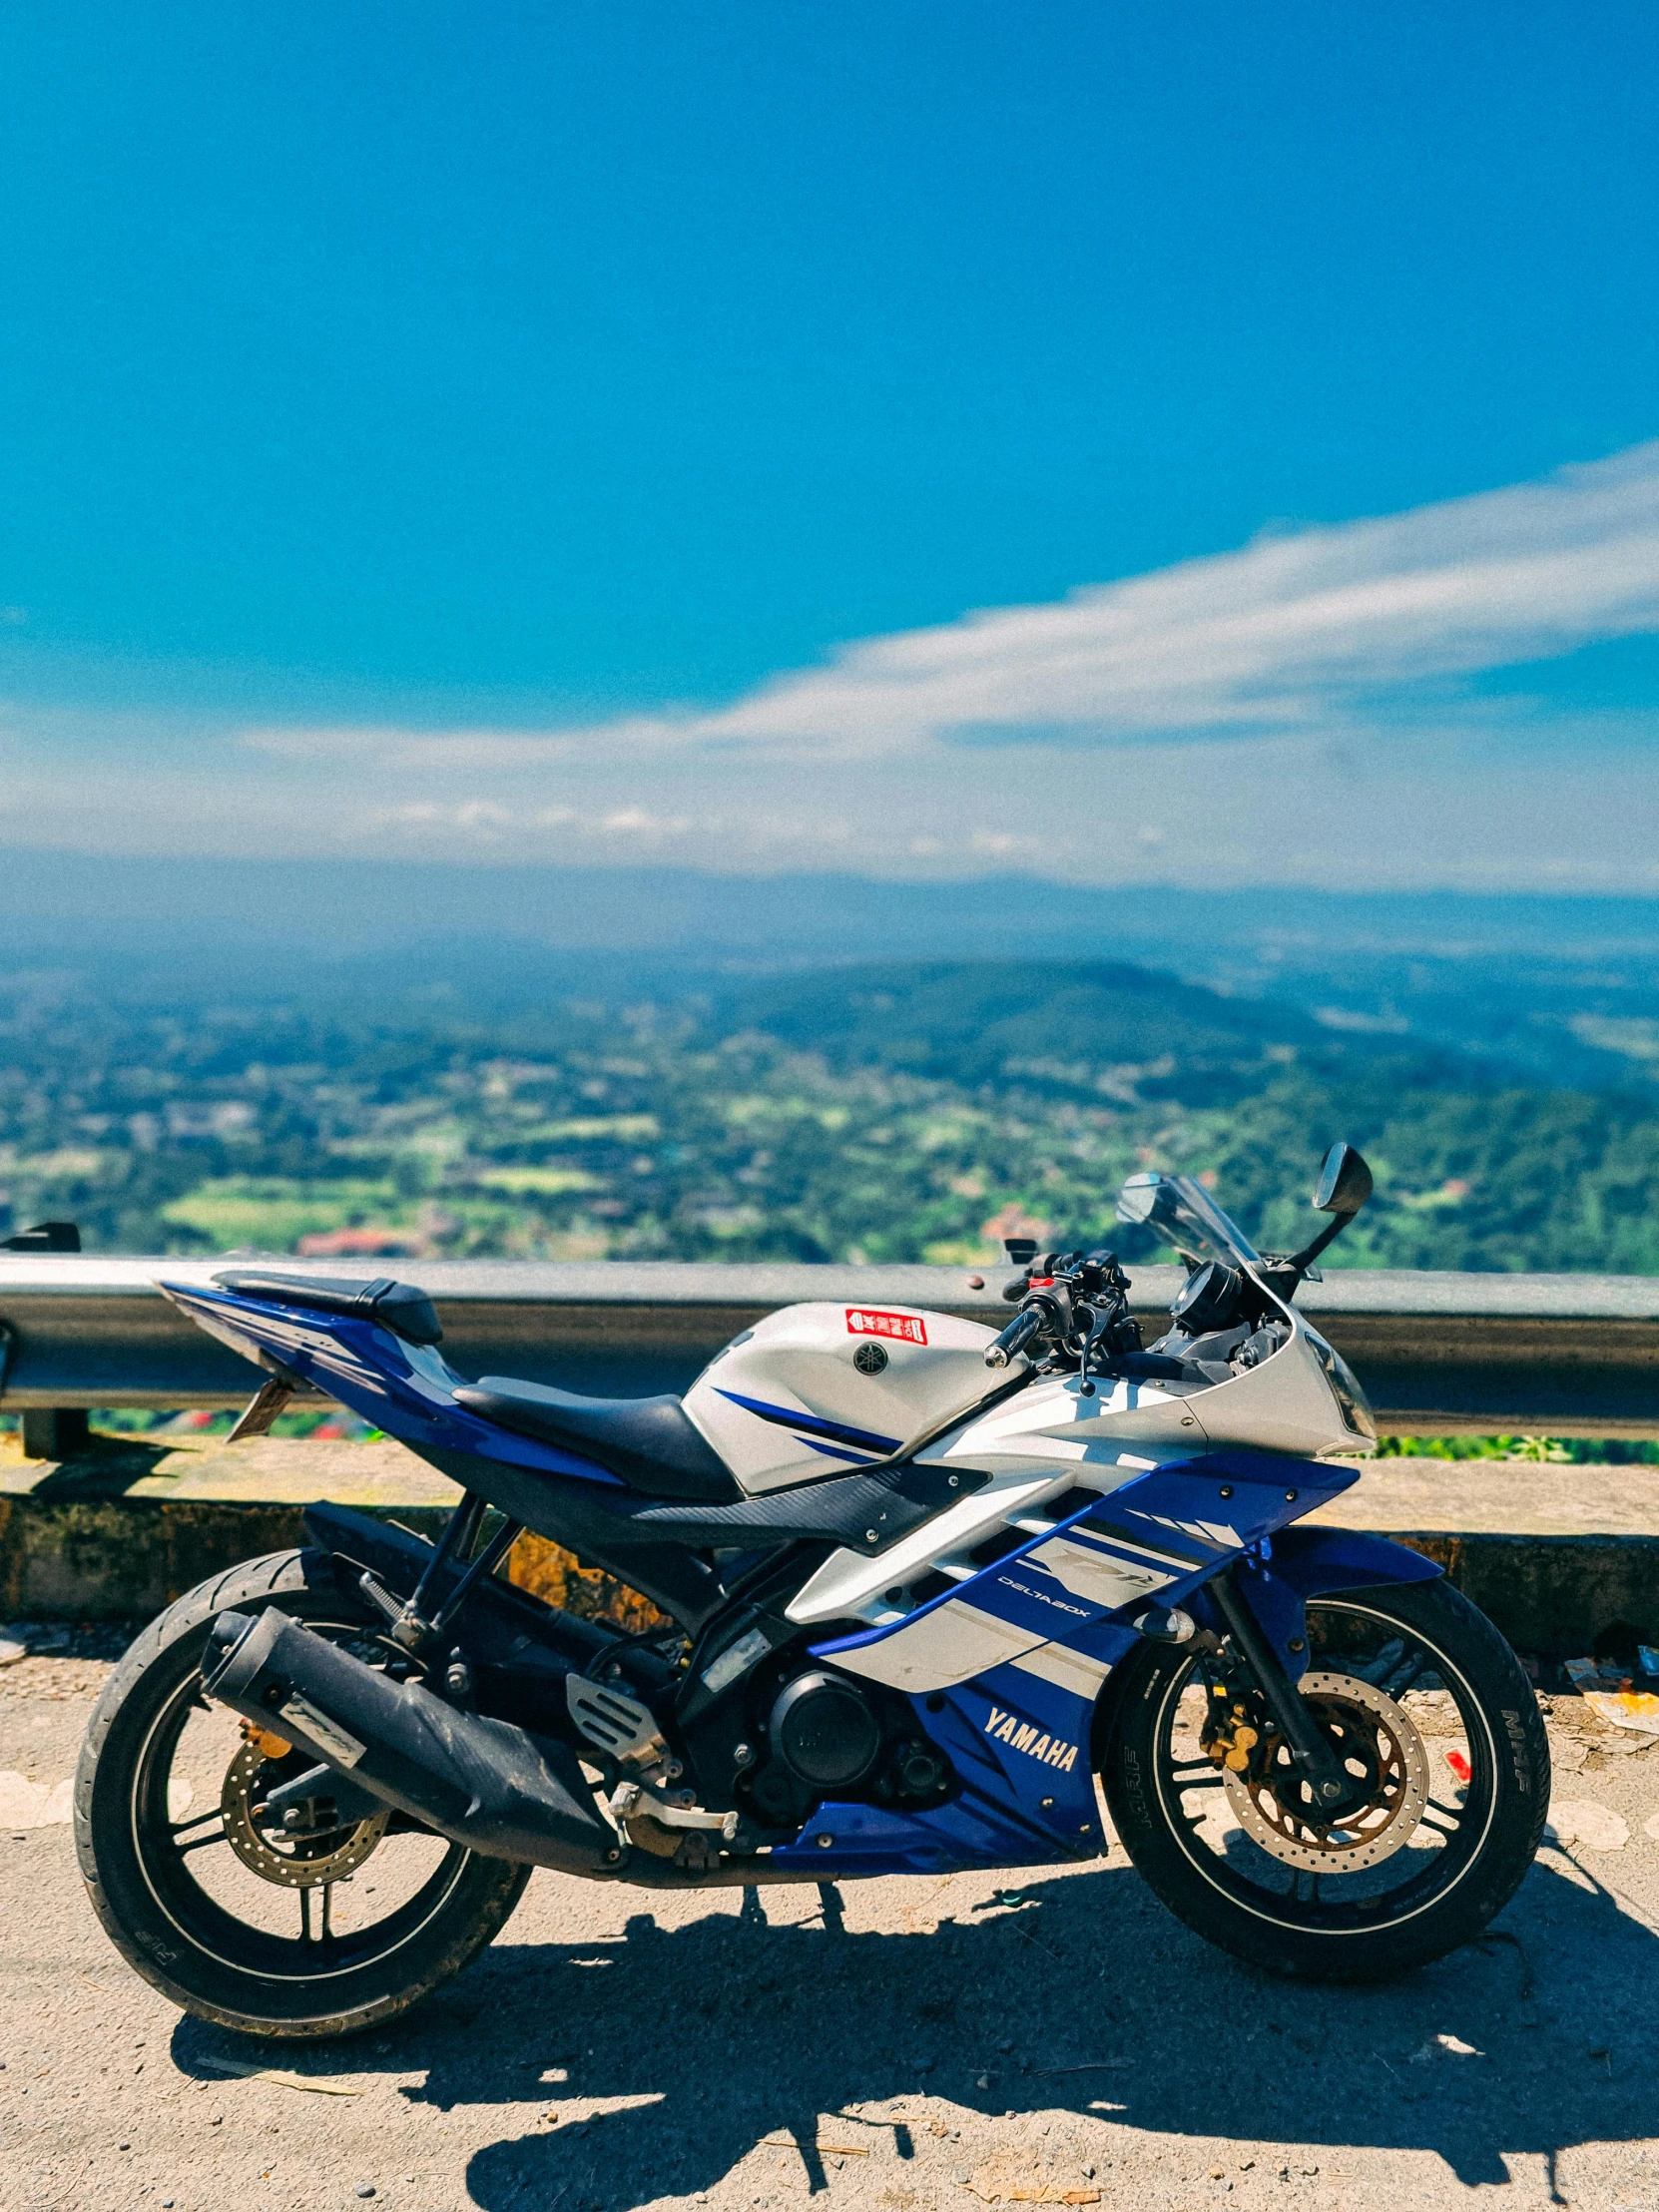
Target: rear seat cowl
x: 402, y: 1308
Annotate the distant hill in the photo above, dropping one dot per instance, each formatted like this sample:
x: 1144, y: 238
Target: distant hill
x: 894, y: 1110
x: 1105, y: 1027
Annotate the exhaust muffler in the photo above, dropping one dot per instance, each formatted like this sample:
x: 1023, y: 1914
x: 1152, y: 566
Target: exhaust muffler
x: 483, y: 1782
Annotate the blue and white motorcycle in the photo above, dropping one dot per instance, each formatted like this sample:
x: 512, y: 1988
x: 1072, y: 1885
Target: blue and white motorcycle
x: 927, y: 1598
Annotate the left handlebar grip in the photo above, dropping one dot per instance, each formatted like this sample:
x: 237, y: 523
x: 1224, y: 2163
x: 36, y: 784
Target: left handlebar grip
x: 1014, y: 1337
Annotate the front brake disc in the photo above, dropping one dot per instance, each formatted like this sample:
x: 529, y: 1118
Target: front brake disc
x: 310, y: 1860
x: 1378, y: 1734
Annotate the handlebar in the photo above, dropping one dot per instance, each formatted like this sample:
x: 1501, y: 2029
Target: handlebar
x: 1018, y: 1334
x: 1080, y: 1306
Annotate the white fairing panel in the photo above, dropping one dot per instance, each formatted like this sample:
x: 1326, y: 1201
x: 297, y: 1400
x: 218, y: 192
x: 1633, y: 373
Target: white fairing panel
x: 949, y: 1645
x: 817, y: 1390
x: 1303, y: 1401
x: 1108, y: 1438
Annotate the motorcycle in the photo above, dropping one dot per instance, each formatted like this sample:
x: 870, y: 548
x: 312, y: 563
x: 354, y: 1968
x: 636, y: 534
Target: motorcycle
x: 928, y: 1597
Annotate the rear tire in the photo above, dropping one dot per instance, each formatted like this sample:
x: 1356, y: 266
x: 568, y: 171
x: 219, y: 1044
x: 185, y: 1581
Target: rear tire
x: 1368, y: 1921
x: 177, y: 1934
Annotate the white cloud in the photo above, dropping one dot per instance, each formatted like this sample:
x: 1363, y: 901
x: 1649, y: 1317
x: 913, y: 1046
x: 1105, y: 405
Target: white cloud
x: 1233, y: 719
x: 1280, y: 635
x: 1286, y: 633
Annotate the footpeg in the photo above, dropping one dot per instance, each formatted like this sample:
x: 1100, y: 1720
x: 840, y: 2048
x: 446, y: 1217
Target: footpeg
x: 615, y: 1723
x: 630, y: 1801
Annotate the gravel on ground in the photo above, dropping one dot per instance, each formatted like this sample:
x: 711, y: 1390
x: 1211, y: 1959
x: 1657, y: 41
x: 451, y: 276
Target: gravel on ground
x: 1046, y: 2038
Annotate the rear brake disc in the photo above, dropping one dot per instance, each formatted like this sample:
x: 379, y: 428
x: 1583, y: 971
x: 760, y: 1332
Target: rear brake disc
x: 309, y: 1859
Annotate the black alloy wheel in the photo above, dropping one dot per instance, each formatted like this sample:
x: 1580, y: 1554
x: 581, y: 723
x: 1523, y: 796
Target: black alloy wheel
x: 1436, y: 1726
x: 337, y: 1927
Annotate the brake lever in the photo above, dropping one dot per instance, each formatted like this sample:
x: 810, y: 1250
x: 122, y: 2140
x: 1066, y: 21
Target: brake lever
x: 1085, y: 1388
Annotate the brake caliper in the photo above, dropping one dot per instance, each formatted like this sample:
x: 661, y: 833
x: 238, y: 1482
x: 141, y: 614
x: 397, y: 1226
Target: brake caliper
x: 268, y: 1745
x: 1230, y: 1737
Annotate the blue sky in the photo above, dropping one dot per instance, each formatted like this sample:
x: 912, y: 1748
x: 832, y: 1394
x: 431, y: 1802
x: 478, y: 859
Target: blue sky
x: 535, y: 433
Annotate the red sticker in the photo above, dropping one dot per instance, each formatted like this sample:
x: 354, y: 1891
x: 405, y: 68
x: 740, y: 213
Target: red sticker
x: 1458, y: 1762
x: 909, y: 1329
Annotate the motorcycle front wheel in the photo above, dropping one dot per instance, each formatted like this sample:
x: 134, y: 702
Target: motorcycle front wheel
x: 324, y: 1932
x: 1428, y: 1707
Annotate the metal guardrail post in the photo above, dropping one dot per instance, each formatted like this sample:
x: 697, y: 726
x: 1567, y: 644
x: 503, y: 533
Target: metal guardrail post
x: 54, y: 1431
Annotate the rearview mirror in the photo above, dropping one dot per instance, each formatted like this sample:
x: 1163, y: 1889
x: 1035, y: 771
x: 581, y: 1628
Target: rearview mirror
x: 1345, y: 1181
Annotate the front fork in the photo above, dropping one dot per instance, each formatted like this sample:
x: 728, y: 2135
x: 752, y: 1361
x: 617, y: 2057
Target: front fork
x: 1329, y: 1781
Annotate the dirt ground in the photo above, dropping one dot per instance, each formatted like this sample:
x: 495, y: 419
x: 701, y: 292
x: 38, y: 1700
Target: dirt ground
x: 902, y: 2044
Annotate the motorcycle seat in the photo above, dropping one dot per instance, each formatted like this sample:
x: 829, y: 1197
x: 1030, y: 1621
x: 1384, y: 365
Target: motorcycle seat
x: 648, y: 1441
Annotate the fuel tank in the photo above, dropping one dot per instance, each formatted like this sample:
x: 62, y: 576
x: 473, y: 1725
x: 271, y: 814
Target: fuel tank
x: 816, y: 1390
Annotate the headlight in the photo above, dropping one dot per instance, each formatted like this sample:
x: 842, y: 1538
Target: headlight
x: 1344, y: 1388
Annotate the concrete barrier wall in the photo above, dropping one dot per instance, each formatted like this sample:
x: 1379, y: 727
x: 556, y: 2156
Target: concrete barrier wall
x: 1559, y: 1555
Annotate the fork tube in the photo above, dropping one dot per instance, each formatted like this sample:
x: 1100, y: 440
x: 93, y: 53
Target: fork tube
x: 1313, y: 1754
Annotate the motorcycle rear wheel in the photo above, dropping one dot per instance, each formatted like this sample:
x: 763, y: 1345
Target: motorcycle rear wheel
x: 224, y: 1920
x: 1422, y: 1687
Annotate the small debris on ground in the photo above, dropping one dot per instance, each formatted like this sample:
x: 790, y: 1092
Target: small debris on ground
x: 1638, y: 1709
x: 1438, y: 2046
x: 245, y: 2070
x: 1590, y: 1826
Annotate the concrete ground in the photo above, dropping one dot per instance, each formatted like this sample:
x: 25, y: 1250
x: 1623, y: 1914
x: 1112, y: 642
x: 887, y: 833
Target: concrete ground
x: 919, y: 2043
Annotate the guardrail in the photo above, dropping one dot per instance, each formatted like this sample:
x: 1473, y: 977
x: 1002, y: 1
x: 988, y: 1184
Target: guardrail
x: 1439, y: 1355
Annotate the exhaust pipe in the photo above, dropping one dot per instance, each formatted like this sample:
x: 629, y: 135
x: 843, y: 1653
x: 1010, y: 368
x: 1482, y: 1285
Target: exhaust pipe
x: 483, y: 1782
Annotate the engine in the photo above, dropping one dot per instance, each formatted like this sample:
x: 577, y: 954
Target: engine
x: 824, y: 1732
x: 747, y: 1743
x: 826, y: 1736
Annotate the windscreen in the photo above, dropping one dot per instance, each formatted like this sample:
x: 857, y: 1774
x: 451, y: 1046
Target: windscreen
x: 1182, y: 1213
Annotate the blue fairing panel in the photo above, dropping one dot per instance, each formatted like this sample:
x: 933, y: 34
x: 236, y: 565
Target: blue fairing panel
x: 971, y: 1831
x: 1314, y: 1561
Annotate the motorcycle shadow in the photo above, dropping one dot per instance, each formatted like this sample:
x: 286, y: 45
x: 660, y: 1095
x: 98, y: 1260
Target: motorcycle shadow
x: 750, y: 2027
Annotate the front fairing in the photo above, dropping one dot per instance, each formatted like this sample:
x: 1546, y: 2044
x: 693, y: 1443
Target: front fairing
x: 1303, y: 1401
x: 1304, y: 1398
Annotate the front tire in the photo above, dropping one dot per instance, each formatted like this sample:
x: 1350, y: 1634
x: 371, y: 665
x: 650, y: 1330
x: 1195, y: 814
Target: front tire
x: 1414, y: 1679
x: 223, y: 1923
